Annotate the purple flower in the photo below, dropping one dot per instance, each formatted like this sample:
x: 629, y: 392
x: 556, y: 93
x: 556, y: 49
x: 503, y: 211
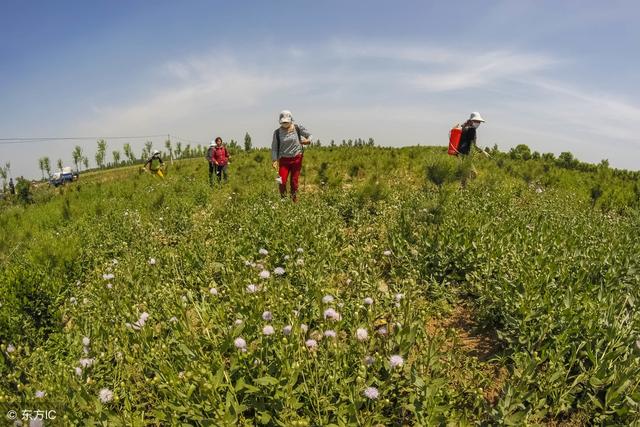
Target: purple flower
x: 152, y: 261
x: 240, y: 343
x: 371, y: 393
x: 331, y: 314
x: 287, y: 330
x: 362, y: 334
x: 278, y: 271
x: 86, y: 362
x: 252, y: 289
x: 311, y: 344
x: 304, y: 328
x: 108, y: 276
x: 386, y: 253
x: 299, y: 250
x: 268, y: 330
x: 86, y: 341
x: 330, y: 333
x: 267, y: 316
x: 264, y: 274
x: 369, y: 360
x: 105, y: 395
x: 263, y: 252
x: 396, y: 361
x: 368, y: 301
x: 327, y: 299
x: 40, y: 394
x: 213, y: 291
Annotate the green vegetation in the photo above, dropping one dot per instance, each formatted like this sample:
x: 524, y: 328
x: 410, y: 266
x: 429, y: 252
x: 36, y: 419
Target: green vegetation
x: 498, y: 292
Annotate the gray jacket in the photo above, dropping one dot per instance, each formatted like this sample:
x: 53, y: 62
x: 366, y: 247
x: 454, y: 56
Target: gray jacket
x: 290, y: 145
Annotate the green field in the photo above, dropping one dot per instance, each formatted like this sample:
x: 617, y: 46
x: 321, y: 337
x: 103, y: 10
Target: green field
x: 405, y: 288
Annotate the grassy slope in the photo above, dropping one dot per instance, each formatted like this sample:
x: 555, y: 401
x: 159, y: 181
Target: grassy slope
x: 518, y: 304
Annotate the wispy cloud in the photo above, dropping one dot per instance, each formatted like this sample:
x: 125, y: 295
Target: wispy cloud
x: 397, y: 93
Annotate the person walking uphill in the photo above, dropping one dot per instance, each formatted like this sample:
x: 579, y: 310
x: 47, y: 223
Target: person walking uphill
x: 468, y: 136
x: 155, y: 164
x: 287, y: 152
x: 218, y: 156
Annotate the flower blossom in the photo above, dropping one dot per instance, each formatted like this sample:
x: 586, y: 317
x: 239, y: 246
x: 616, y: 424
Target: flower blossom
x: 105, y: 395
x: 331, y: 314
x: 362, y: 334
x: 396, y: 361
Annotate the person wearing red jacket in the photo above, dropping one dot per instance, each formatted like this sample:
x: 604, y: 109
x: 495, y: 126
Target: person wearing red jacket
x: 218, y: 157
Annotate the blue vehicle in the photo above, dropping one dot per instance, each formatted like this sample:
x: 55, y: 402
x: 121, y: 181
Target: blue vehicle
x: 62, y: 177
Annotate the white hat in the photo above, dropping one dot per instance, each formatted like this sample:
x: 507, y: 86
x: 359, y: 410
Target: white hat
x: 285, y: 116
x: 213, y: 143
x: 475, y: 116
x: 155, y: 152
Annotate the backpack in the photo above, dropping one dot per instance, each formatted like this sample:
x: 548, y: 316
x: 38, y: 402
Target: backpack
x: 454, y: 140
x: 299, y: 138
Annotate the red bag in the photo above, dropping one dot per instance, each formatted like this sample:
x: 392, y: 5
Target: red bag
x: 454, y: 140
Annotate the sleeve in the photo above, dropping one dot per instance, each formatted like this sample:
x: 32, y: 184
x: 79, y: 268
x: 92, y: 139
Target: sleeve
x: 304, y: 132
x: 274, y: 147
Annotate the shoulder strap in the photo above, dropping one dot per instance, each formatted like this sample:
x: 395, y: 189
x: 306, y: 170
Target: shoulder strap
x: 299, y: 136
x: 277, y: 132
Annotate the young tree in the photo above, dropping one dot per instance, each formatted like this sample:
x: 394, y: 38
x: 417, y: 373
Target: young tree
x: 101, y: 153
x: 77, y: 156
x: 85, y: 161
x: 47, y: 165
x: 178, y: 150
x: 3, y: 175
x: 129, y: 153
x: 41, y: 166
x: 247, y: 142
x: 59, y: 164
x: 116, y: 157
x: 167, y: 144
x: 146, y: 151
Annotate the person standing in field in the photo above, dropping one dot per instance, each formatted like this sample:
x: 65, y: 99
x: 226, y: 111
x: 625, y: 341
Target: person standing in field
x: 155, y: 164
x: 209, y: 157
x: 467, y: 141
x: 287, y: 152
x: 12, y: 187
x: 218, y: 156
x: 468, y: 136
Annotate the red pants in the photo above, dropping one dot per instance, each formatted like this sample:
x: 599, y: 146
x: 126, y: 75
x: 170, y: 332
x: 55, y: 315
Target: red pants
x: 293, y: 166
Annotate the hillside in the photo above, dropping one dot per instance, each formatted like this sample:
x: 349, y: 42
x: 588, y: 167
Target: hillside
x: 404, y: 288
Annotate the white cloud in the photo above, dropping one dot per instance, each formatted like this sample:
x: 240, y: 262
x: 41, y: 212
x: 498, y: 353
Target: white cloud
x: 486, y: 69
x: 397, y: 93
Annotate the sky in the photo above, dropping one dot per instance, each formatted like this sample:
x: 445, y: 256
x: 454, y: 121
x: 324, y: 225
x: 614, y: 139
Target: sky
x: 557, y: 76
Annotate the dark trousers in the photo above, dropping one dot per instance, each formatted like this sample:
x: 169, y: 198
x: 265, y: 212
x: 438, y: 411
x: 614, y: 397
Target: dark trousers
x: 219, y: 170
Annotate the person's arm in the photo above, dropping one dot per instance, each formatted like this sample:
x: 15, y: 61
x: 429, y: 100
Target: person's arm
x: 306, y: 134
x: 274, y: 150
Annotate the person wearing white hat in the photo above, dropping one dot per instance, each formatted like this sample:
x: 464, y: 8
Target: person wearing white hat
x: 287, y: 152
x: 209, y: 157
x: 468, y: 136
x: 155, y: 164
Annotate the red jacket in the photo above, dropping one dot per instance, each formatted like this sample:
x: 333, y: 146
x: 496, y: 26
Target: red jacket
x: 220, y: 155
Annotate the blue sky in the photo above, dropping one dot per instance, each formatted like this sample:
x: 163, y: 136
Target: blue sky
x: 557, y: 76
